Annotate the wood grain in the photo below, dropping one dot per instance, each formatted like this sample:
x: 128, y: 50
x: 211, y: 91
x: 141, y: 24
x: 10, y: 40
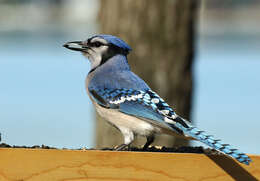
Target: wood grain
x: 71, y: 165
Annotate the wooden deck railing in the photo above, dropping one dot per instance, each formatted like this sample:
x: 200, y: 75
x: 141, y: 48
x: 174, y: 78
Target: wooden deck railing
x: 73, y: 165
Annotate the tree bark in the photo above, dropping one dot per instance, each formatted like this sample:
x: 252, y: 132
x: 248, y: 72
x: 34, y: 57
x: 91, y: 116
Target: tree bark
x: 161, y: 34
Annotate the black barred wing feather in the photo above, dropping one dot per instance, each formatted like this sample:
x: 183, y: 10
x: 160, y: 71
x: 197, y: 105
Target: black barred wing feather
x: 149, y: 98
x: 135, y: 102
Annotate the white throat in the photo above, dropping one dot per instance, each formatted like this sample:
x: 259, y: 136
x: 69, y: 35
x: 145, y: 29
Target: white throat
x: 95, y: 55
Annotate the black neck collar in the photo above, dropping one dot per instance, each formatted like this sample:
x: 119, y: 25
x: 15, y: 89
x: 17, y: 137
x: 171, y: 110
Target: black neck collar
x: 111, y: 52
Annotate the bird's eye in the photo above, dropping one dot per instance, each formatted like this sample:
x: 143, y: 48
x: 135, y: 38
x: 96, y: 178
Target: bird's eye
x: 97, y: 44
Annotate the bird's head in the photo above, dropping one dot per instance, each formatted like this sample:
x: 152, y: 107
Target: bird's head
x: 100, y: 48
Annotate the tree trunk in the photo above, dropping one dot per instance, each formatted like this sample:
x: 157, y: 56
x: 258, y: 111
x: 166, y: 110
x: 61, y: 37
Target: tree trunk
x: 161, y: 34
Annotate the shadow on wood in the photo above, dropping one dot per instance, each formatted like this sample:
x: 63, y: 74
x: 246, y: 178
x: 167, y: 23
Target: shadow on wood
x: 232, y: 168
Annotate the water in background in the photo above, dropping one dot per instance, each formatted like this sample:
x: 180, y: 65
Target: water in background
x: 43, y: 98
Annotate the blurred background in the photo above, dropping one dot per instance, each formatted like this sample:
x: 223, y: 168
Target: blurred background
x: 42, y: 92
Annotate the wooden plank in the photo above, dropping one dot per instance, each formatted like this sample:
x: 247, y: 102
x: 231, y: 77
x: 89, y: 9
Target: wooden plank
x: 72, y: 165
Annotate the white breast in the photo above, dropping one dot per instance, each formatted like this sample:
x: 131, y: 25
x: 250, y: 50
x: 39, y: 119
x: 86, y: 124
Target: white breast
x: 124, y: 121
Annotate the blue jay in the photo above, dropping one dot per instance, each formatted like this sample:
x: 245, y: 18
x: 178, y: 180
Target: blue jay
x: 128, y: 103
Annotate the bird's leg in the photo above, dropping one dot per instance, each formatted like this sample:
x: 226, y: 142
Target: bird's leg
x: 149, y: 141
x: 128, y: 139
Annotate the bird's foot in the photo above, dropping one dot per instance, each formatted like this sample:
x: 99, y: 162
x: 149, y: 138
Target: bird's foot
x: 145, y: 147
x: 150, y: 140
x: 121, y: 147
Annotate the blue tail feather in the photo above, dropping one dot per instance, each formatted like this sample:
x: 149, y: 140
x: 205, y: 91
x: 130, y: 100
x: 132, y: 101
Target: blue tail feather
x: 214, y: 143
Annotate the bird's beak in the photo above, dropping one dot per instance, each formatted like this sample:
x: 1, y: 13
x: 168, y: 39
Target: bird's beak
x: 76, y: 46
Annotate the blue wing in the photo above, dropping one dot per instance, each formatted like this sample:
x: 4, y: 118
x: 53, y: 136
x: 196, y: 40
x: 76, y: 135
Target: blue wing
x: 142, y: 104
x: 117, y: 99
